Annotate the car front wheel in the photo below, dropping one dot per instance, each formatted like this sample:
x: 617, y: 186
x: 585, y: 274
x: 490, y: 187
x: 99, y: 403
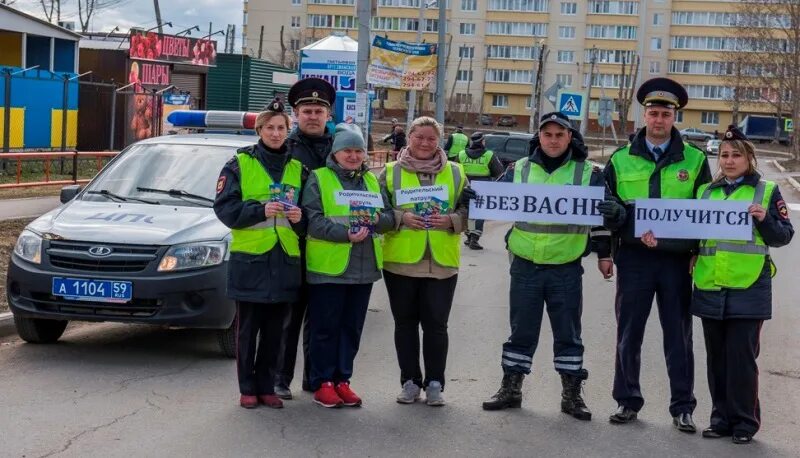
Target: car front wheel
x: 37, y: 330
x: 226, y: 339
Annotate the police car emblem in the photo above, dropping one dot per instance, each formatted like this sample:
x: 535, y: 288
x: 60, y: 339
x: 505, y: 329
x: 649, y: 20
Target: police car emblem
x: 683, y: 175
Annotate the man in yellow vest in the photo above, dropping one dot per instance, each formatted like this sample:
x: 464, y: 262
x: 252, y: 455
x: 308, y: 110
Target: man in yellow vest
x: 546, y: 268
x: 479, y: 164
x: 656, y: 164
x: 456, y: 143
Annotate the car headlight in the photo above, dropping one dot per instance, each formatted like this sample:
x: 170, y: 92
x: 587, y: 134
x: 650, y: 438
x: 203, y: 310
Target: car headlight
x: 29, y: 247
x: 192, y: 256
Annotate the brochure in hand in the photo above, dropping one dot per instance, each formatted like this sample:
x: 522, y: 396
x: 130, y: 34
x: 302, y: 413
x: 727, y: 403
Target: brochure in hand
x: 432, y: 207
x: 363, y: 216
x: 283, y: 193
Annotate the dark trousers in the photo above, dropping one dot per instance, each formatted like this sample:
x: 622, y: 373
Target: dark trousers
x: 642, y: 274
x: 475, y: 227
x: 336, y: 314
x: 296, y: 320
x: 419, y: 302
x: 258, y: 332
x: 533, y: 286
x: 732, y: 347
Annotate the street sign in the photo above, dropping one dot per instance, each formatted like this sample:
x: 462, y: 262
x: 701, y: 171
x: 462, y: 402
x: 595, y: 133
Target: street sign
x: 604, y: 109
x: 788, y: 125
x: 604, y: 119
x: 552, y: 93
x: 572, y: 104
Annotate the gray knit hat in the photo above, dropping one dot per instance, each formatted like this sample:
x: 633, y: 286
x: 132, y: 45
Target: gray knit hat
x: 347, y: 136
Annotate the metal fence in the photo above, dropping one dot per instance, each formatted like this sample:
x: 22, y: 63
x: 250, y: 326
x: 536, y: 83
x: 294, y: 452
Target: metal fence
x: 45, y: 168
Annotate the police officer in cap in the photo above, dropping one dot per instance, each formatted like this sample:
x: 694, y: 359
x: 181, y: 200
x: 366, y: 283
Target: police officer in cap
x: 456, y: 142
x: 479, y: 164
x: 310, y: 143
x: 552, y: 276
x: 656, y: 164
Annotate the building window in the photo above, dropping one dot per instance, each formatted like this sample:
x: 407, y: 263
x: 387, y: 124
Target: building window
x: 469, y: 5
x: 464, y: 75
x: 525, y: 29
x: 504, y: 75
x: 431, y: 25
x: 566, y: 32
x: 528, y: 102
x: 613, y: 7
x: 332, y: 21
x: 295, y: 22
x: 655, y: 44
x: 566, y: 57
x: 612, y: 32
x: 296, y: 2
x: 610, y: 56
x: 678, y: 117
x: 709, y: 117
x: 564, y: 80
x: 569, y: 9
x: 658, y: 19
x: 512, y: 52
x: 538, y: 6
x: 466, y: 28
x: 500, y: 101
x: 463, y: 99
x: 467, y: 52
x: 655, y: 68
x: 294, y: 44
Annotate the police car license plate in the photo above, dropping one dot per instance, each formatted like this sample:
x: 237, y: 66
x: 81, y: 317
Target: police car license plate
x: 81, y: 289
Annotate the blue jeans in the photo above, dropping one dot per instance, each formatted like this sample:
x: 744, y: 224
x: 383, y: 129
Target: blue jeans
x: 533, y: 286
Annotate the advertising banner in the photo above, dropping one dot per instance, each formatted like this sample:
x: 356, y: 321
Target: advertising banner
x: 148, y: 73
x: 170, y: 48
x: 174, y: 102
x: 335, y: 67
x: 401, y: 65
x: 694, y: 219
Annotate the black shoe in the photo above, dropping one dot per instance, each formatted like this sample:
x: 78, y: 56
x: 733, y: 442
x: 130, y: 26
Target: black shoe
x: 473, y: 243
x: 623, y: 415
x: 307, y: 387
x: 571, y: 401
x: 282, y: 391
x: 742, y: 438
x: 684, y: 423
x: 509, y: 396
x: 711, y: 433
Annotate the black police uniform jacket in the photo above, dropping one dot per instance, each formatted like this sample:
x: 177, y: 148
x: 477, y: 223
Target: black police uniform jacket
x: 272, y: 277
x: 754, y: 302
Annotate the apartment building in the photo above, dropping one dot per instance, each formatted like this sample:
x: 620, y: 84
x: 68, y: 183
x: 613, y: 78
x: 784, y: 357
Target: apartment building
x: 494, y: 47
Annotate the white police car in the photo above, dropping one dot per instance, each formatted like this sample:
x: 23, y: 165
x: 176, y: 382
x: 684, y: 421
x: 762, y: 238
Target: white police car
x: 139, y: 244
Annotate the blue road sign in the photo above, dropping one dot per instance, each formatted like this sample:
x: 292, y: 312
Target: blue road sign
x: 572, y: 104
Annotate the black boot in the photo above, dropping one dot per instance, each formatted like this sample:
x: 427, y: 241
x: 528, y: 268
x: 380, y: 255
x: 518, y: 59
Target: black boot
x: 571, y: 400
x: 473, y: 242
x: 509, y: 395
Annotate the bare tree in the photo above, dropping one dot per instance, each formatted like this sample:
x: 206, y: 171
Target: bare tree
x: 87, y: 9
x: 626, y: 86
x: 49, y: 8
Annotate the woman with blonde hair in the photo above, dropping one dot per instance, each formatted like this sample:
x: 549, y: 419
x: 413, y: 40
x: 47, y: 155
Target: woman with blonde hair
x: 421, y: 258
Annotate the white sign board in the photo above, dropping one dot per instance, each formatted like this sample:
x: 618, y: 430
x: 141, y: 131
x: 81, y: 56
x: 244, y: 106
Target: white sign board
x: 359, y: 198
x: 421, y: 194
x: 694, y: 219
x: 362, y: 103
x: 537, y: 203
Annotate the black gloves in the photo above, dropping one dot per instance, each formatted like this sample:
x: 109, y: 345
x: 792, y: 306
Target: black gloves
x: 610, y: 209
x: 466, y: 195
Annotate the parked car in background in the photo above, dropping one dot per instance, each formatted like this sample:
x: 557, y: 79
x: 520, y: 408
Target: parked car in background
x: 762, y: 128
x: 484, y: 120
x: 508, y: 146
x: 693, y: 133
x: 507, y: 121
x: 712, y: 147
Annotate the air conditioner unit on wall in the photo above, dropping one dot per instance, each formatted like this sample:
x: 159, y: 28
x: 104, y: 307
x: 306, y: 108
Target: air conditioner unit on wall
x: 69, y: 25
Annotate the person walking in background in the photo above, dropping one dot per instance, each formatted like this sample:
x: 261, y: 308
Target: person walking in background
x: 456, y: 142
x: 344, y: 258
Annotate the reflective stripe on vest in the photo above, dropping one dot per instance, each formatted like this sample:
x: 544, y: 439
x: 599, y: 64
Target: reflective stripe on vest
x: 677, y: 180
x: 407, y: 246
x: 332, y: 258
x: 476, y: 167
x: 544, y: 243
x: 460, y: 142
x: 262, y: 237
x: 733, y: 263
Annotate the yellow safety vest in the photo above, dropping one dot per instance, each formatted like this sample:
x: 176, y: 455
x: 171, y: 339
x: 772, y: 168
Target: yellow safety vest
x: 460, y: 142
x: 332, y: 258
x: 476, y: 167
x: 547, y: 243
x: 262, y: 237
x: 677, y: 180
x: 733, y: 264
x: 407, y: 246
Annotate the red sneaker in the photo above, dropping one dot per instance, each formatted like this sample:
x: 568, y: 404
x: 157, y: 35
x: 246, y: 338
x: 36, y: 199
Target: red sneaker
x: 248, y: 402
x: 270, y: 400
x: 349, y: 398
x: 326, y: 396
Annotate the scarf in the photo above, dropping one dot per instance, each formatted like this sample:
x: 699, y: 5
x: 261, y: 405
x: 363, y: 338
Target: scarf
x: 430, y: 166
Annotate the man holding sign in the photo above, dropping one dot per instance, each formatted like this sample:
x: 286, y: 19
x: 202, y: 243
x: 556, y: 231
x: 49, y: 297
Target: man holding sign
x: 546, y: 265
x: 656, y: 165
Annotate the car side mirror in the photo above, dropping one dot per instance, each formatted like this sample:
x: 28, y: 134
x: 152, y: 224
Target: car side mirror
x: 69, y: 192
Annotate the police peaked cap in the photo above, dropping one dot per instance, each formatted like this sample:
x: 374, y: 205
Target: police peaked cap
x: 733, y: 133
x: 557, y: 117
x: 662, y: 92
x: 311, y: 91
x: 276, y: 106
x: 476, y: 137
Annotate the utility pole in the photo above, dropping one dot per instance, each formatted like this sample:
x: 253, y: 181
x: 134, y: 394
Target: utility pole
x: 585, y: 120
x: 260, y: 42
x: 469, y: 96
x: 536, y: 96
x: 364, y: 10
x: 535, y: 66
x: 441, y: 68
x: 412, y: 97
x: 158, y: 16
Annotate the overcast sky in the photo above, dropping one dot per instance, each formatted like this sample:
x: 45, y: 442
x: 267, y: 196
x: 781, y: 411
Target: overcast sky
x: 140, y: 13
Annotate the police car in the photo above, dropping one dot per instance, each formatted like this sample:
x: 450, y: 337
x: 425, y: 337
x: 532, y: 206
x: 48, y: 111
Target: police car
x: 139, y: 244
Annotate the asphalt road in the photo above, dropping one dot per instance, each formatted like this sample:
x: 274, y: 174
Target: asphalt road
x: 28, y: 207
x: 112, y: 390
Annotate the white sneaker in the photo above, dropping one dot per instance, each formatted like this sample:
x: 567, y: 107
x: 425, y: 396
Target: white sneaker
x: 409, y: 394
x: 433, y: 394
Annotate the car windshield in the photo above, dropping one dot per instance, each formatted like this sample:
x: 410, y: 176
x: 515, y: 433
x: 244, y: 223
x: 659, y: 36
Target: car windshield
x: 169, y: 174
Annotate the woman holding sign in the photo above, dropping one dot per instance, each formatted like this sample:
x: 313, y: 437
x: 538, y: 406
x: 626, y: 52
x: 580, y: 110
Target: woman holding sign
x: 422, y: 257
x: 264, y: 274
x: 733, y: 289
x: 346, y: 211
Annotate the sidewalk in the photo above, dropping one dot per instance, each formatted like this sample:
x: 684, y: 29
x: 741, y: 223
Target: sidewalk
x: 27, y: 208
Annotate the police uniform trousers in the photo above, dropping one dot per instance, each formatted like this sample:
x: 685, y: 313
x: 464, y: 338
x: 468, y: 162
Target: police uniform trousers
x: 296, y: 320
x: 559, y: 288
x: 259, y: 328
x: 732, y: 347
x: 643, y: 273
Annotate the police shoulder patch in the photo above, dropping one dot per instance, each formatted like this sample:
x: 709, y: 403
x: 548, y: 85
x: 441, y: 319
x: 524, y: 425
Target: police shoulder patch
x: 783, y: 209
x: 221, y: 183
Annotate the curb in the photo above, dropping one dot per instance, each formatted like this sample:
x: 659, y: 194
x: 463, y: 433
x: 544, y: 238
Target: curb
x: 7, y: 324
x: 777, y: 165
x: 792, y: 181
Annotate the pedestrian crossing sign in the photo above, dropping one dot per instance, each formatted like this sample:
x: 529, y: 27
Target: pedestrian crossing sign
x: 572, y: 104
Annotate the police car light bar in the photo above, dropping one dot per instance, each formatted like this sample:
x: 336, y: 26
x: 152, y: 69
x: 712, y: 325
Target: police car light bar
x: 212, y: 119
